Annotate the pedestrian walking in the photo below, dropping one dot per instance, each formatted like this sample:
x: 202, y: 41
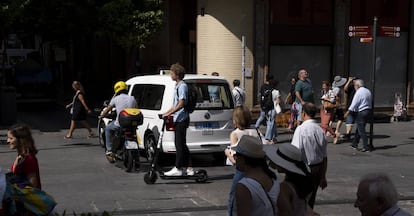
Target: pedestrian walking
x: 327, y: 109
x: 349, y: 119
x: 337, y: 85
x: 79, y: 110
x: 361, y: 109
x: 377, y: 196
x: 239, y: 94
x: 269, y: 98
x: 310, y: 139
x: 290, y: 99
x: 303, y: 92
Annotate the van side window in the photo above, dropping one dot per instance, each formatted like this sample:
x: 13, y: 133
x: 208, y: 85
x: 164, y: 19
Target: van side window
x: 148, y: 96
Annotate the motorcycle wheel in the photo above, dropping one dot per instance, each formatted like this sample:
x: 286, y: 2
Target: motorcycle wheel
x: 101, y: 133
x: 150, y: 177
x: 150, y: 145
x: 129, y: 160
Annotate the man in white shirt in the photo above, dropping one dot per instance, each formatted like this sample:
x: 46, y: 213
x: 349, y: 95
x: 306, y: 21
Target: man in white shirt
x: 361, y: 107
x: 238, y: 93
x: 310, y: 139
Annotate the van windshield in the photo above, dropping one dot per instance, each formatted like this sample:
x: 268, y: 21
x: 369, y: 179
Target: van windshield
x: 212, y: 95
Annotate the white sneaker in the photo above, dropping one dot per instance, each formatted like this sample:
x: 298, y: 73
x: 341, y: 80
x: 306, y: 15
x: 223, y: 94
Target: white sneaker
x: 174, y: 172
x: 190, y: 171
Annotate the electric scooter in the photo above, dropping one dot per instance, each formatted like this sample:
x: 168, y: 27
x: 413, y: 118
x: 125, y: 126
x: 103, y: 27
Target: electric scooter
x: 151, y: 176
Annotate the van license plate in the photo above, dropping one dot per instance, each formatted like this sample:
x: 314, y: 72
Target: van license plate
x: 206, y: 125
x: 207, y: 132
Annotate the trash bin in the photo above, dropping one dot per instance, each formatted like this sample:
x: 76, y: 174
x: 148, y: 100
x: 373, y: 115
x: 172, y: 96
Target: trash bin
x: 8, y: 111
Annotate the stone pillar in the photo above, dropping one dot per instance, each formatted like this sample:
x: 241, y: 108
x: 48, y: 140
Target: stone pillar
x: 410, y: 69
x: 341, y: 45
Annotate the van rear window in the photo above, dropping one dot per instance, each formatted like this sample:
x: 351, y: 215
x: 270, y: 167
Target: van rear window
x: 212, y: 95
x: 148, y: 96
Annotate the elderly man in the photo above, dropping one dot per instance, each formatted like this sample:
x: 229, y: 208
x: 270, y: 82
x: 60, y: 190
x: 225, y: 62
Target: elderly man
x: 303, y: 92
x: 310, y: 139
x: 377, y: 196
x: 361, y: 108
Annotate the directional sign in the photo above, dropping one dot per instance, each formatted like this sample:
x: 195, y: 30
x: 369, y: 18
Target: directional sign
x: 389, y: 31
x: 360, y: 31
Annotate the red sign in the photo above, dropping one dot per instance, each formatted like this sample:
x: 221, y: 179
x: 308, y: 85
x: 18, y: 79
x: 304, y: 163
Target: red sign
x: 389, y: 31
x: 366, y: 40
x: 360, y: 31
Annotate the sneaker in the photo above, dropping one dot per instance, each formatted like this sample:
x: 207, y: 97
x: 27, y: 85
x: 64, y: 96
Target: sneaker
x: 108, y: 153
x: 174, y: 172
x: 190, y: 171
x: 366, y: 150
x: 353, y: 147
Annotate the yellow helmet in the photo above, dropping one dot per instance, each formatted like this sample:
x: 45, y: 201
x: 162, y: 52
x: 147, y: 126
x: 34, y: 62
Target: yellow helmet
x: 119, y: 86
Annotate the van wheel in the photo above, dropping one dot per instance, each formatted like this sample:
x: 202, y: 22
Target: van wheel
x: 150, y: 147
x: 219, y: 158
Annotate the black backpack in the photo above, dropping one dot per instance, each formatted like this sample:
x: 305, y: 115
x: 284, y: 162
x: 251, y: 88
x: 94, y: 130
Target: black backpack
x: 191, y: 98
x: 266, y: 99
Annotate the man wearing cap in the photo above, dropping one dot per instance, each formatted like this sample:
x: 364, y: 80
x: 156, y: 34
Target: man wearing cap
x: 339, y: 112
x: 310, y: 139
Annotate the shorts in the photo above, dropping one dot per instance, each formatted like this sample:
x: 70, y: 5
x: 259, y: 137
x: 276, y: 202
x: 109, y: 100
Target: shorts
x: 350, y: 119
x: 339, y: 115
x: 299, y: 111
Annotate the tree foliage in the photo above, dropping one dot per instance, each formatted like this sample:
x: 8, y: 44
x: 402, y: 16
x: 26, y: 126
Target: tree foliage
x: 129, y: 22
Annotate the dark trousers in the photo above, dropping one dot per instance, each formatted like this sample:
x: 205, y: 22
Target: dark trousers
x: 182, y: 158
x: 361, y: 120
x: 316, y: 174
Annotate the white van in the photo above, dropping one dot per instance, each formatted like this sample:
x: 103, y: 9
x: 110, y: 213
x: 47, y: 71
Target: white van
x: 210, y: 123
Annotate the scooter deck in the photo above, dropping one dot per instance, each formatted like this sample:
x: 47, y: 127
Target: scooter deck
x: 198, y: 174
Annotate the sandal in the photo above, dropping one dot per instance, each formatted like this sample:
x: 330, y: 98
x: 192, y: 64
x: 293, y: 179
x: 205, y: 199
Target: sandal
x: 67, y: 137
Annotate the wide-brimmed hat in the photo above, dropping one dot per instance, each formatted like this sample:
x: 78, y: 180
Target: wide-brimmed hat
x: 338, y: 81
x: 250, y: 146
x: 288, y: 157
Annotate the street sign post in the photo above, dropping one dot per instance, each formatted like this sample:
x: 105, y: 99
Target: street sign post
x: 389, y: 31
x: 359, y: 31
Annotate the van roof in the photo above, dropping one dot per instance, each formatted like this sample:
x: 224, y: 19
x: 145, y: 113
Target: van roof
x: 167, y: 78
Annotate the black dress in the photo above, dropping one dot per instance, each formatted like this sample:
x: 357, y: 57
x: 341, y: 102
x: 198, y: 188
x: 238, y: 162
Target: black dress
x: 79, y: 112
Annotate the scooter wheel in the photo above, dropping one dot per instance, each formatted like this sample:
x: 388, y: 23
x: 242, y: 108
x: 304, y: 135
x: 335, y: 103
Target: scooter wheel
x: 202, y: 177
x: 150, y: 177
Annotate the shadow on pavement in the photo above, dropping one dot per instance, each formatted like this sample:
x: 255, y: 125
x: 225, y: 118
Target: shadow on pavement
x: 46, y: 117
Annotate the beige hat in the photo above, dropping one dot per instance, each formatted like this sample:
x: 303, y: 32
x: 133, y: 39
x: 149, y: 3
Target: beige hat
x: 250, y: 146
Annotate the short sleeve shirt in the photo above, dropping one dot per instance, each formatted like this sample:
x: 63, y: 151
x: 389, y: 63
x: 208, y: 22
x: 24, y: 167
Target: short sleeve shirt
x: 310, y: 139
x: 304, y: 87
x: 122, y: 101
x: 181, y: 90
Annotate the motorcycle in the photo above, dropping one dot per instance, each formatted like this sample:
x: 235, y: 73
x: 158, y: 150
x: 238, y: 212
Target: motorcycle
x: 125, y: 140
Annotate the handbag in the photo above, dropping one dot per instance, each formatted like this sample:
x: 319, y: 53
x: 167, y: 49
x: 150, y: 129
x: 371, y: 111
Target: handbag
x: 278, y: 109
x: 328, y: 105
x: 33, y: 199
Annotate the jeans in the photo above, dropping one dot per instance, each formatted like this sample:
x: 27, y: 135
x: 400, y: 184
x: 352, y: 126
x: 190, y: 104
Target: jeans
x: 260, y: 119
x: 361, y: 120
x: 109, y: 130
x: 182, y: 158
x: 299, y: 111
x: 271, y: 131
x: 238, y: 175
